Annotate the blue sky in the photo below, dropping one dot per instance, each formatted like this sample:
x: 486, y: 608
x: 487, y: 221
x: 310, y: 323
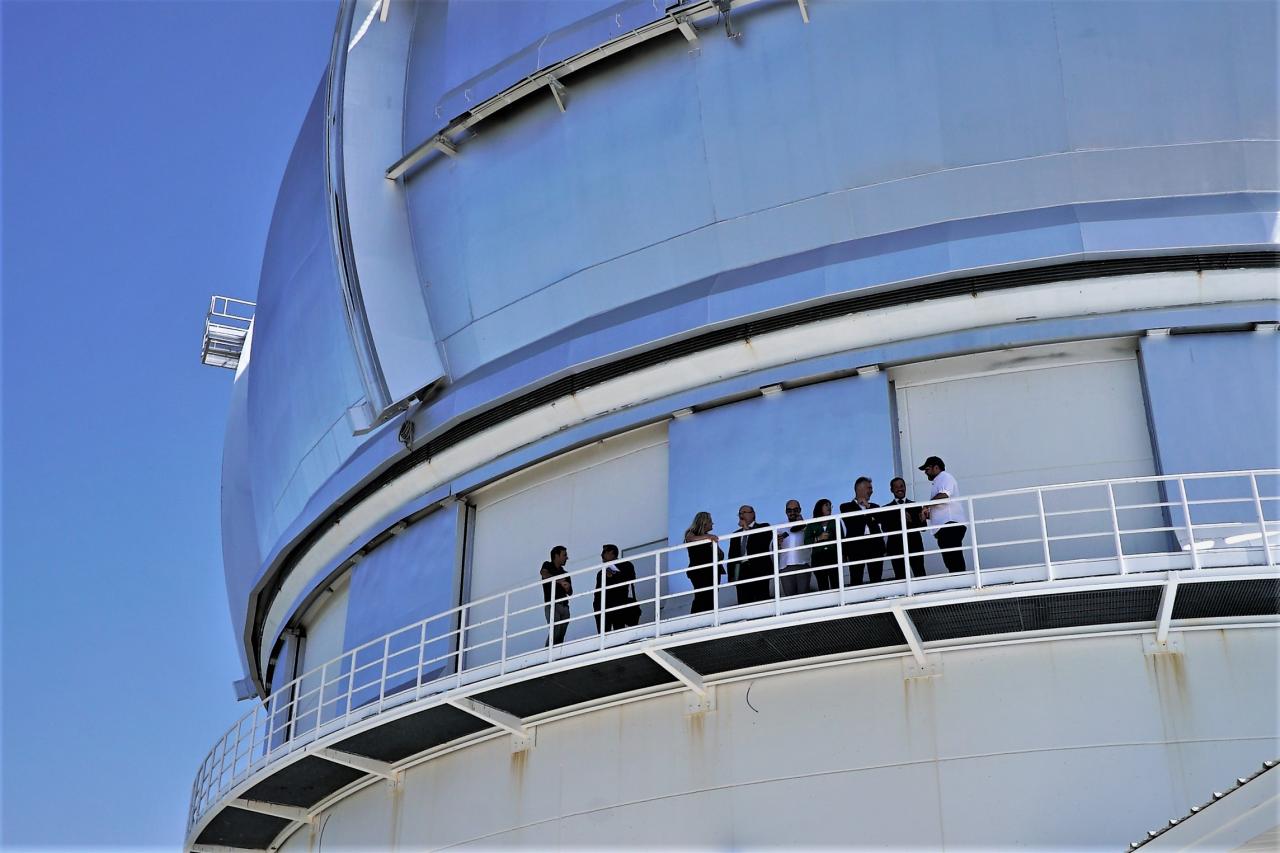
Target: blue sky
x: 143, y: 143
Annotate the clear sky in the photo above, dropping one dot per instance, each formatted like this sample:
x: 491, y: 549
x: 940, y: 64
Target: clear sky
x: 143, y: 143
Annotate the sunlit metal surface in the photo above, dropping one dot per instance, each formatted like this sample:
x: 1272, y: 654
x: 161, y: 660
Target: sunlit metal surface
x: 1071, y: 536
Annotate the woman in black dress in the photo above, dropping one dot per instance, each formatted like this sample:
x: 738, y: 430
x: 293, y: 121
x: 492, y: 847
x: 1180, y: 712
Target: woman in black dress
x: 822, y: 558
x: 705, y: 558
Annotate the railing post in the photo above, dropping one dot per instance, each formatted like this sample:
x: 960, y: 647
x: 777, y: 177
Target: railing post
x: 324, y: 671
x: 462, y: 643
x: 1044, y: 535
x: 715, y: 583
x: 604, y: 601
x: 382, y: 679
x: 657, y: 593
x: 506, y: 613
x: 906, y: 549
x: 1191, y: 528
x: 1115, y: 528
x: 777, y: 575
x: 1262, y: 519
x: 839, y: 526
x: 422, y: 653
x: 973, y: 541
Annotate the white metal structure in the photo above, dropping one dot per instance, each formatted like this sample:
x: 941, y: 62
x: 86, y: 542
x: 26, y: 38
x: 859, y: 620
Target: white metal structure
x: 226, y: 327
x: 1080, y: 536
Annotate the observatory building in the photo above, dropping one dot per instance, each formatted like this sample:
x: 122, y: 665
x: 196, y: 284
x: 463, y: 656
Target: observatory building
x: 546, y: 277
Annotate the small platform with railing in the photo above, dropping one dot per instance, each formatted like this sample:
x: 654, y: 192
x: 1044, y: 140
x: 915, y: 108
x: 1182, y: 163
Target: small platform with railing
x: 226, y: 329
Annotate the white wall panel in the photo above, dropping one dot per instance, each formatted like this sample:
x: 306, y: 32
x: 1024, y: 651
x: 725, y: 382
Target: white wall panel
x: 611, y: 491
x: 1033, y: 416
x: 1078, y: 752
x: 325, y: 626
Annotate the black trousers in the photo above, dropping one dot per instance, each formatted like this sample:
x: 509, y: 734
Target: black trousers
x: 749, y: 590
x: 951, y: 535
x: 703, y: 596
x: 915, y: 549
x: 874, y: 566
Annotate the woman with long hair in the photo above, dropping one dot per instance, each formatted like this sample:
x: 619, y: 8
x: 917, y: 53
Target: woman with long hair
x: 822, y: 559
x: 705, y: 557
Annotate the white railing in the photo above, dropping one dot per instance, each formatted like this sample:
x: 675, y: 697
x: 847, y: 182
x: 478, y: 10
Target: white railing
x: 1047, y: 533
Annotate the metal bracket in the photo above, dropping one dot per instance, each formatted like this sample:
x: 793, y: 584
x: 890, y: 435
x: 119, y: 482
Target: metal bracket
x: 804, y: 10
x: 1167, y: 597
x: 521, y: 743
x: 686, y: 30
x: 1171, y: 646
x: 913, y: 636
x: 701, y: 697
x: 293, y: 813
x: 932, y: 668
x: 444, y: 146
x: 219, y: 848
x: 558, y: 91
x: 491, y: 715
x: 360, y: 762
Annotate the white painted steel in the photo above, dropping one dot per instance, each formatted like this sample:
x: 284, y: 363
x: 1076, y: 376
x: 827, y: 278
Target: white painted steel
x: 295, y: 715
x: 840, y: 334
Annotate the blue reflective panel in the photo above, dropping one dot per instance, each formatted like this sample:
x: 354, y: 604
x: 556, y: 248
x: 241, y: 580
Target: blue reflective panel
x: 405, y: 580
x: 303, y: 370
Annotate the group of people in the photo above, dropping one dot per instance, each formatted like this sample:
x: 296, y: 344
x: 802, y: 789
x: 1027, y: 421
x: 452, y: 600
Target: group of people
x: 814, y: 552
x: 807, y: 552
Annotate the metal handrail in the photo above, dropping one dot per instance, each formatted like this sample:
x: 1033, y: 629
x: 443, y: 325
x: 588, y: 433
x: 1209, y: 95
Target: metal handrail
x: 440, y: 650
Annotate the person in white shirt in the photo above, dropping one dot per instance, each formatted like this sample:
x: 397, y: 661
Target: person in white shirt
x: 793, y: 557
x: 948, y: 519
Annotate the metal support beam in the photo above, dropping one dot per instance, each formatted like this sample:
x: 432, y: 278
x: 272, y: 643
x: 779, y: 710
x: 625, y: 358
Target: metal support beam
x: 293, y: 813
x: 444, y: 146
x: 1167, y: 597
x: 913, y: 636
x: 218, y: 848
x: 678, y: 668
x: 359, y: 762
x: 804, y: 10
x: 687, y: 30
x: 490, y: 714
x: 558, y: 91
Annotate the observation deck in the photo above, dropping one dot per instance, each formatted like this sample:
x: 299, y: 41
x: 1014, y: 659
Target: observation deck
x: 1148, y: 556
x: 226, y: 329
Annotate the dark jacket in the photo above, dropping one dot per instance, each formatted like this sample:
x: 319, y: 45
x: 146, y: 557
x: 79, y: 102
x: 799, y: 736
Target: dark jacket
x: 890, y: 518
x: 619, y: 590
x: 549, y: 574
x: 756, y: 548
x: 862, y: 525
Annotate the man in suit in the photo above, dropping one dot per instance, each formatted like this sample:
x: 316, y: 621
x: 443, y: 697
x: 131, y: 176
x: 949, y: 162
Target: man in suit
x: 891, y: 524
x: 750, y: 557
x: 621, y: 609
x: 863, y: 553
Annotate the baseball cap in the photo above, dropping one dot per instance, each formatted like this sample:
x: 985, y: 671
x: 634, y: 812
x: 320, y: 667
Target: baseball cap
x: 934, y: 460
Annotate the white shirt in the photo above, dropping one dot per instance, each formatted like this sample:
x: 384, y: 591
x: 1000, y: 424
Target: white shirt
x: 952, y: 510
x: 793, y: 539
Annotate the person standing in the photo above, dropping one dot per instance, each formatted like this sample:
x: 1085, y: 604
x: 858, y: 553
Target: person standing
x: 947, y: 519
x: 891, y: 522
x: 865, y: 552
x: 822, y: 556
x: 557, y: 586
x: 618, y: 578
x: 793, y: 558
x: 706, y: 560
x: 750, y: 560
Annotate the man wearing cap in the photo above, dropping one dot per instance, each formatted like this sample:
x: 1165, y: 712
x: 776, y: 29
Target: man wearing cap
x: 947, y: 519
